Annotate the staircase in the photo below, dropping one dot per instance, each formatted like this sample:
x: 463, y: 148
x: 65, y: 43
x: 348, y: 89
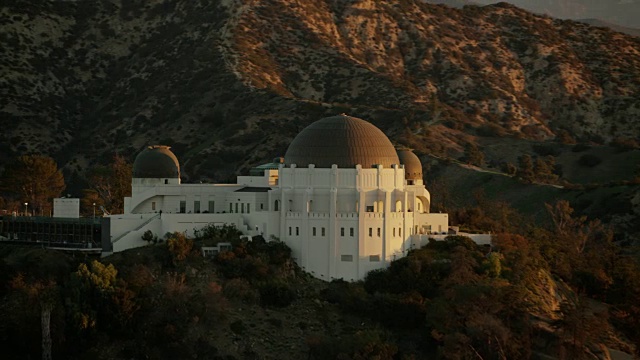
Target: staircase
x: 157, y: 216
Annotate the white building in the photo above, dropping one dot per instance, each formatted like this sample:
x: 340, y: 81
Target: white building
x: 343, y: 198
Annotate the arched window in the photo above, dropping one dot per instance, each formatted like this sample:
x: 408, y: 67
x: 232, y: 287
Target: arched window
x: 380, y: 206
x: 276, y: 205
x: 310, y: 206
x: 398, y: 206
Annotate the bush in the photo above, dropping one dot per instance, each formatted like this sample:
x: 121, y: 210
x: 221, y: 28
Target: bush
x: 580, y: 147
x: 238, y: 327
x: 276, y: 294
x: 546, y: 150
x: 589, y: 160
x: 179, y: 246
x: 240, y: 289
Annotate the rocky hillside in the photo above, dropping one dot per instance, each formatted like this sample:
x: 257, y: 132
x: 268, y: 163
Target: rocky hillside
x: 620, y: 12
x: 229, y: 83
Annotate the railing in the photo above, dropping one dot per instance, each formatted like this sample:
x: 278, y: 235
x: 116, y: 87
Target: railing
x: 137, y: 228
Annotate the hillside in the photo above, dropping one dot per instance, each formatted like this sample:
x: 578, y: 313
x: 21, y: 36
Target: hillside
x: 215, y: 80
x: 619, y: 12
x: 450, y: 299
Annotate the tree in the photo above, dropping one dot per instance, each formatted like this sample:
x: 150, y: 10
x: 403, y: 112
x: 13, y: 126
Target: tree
x: 111, y: 185
x: 544, y: 168
x: 35, y: 179
x: 44, y: 295
x: 525, y: 168
x: 473, y: 155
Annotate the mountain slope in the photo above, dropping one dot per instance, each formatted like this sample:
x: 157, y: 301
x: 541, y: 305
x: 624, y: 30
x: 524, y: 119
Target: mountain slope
x: 620, y: 12
x: 229, y: 84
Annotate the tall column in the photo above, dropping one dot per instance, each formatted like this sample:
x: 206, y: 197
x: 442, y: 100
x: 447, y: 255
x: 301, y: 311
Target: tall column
x: 332, y: 235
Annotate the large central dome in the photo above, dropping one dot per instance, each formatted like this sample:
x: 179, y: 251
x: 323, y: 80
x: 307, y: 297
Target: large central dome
x: 342, y: 140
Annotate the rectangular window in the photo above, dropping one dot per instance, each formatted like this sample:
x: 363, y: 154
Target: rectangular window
x: 183, y: 207
x: 230, y: 207
x: 289, y: 230
x: 236, y: 208
x: 351, y: 232
x: 297, y: 231
x: 248, y: 208
x: 261, y: 206
x: 370, y: 208
x: 374, y: 258
x: 323, y: 232
x: 196, y: 207
x: 394, y: 231
x: 314, y: 231
x: 346, y: 258
x: 212, y: 206
x: 242, y: 208
x: 370, y: 231
x: 399, y: 231
x: 378, y: 232
x: 153, y: 205
x: 341, y: 231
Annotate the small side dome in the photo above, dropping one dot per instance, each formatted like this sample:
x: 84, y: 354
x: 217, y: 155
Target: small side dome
x: 156, y: 161
x: 341, y: 140
x: 412, y: 164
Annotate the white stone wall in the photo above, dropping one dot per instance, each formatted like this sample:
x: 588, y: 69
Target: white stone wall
x: 67, y: 208
x: 308, y: 198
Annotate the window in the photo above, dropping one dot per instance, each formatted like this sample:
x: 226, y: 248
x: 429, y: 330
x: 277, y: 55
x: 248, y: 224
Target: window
x: 341, y: 231
x: 374, y: 258
x: 289, y: 230
x: 230, y: 207
x: 346, y: 258
x: 261, y: 206
x: 314, y: 231
x: 153, y: 205
x: 212, y: 206
x: 166, y: 181
x: 378, y: 232
x: 236, y: 207
x: 196, y: 206
x: 242, y: 208
x: 276, y: 205
x: 394, y: 231
x: 297, y: 231
x: 183, y: 207
x: 370, y: 231
x: 248, y: 208
x: 323, y: 232
x: 399, y: 231
x: 370, y: 208
x: 351, y: 232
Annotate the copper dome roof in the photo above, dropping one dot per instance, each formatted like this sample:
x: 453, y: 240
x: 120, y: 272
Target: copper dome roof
x: 342, y: 140
x: 156, y: 161
x: 412, y: 164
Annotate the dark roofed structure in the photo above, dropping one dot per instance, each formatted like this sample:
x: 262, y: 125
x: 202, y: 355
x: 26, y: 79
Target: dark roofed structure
x: 341, y: 140
x: 156, y: 161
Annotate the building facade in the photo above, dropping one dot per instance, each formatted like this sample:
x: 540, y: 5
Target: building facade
x: 343, y: 198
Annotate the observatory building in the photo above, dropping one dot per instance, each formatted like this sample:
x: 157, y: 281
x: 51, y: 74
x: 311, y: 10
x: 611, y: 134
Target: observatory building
x: 343, y: 198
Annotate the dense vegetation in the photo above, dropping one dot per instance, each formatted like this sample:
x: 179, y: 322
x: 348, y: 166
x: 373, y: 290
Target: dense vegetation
x: 564, y: 291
